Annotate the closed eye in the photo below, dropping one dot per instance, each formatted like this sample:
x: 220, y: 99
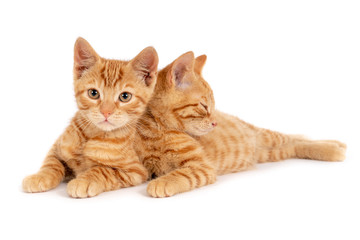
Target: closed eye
x: 205, y: 107
x: 201, y: 111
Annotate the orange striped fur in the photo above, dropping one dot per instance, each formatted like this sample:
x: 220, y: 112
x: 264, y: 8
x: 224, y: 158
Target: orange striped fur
x: 96, y: 150
x: 184, y: 142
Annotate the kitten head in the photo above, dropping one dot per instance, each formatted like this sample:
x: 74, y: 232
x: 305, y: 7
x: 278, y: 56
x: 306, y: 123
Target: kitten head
x: 182, y: 98
x: 112, y: 93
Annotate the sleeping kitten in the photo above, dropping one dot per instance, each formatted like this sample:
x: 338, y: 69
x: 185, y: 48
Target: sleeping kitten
x: 185, y: 142
x: 97, y: 147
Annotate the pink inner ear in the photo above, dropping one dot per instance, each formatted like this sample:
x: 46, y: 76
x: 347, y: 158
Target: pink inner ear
x: 80, y: 56
x: 180, y: 67
x: 145, y: 63
x: 179, y: 72
x: 177, y: 76
x: 84, y: 57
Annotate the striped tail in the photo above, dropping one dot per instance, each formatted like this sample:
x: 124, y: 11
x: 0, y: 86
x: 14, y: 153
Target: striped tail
x: 273, y: 146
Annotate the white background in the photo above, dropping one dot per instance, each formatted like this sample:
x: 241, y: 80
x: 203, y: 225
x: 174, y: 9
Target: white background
x: 291, y: 66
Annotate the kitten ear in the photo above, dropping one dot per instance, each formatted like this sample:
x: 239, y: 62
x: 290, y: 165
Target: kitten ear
x: 84, y: 57
x: 199, y: 63
x: 146, y: 63
x: 178, y: 69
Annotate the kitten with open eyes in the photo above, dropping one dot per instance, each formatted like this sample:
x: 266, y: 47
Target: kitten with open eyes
x: 96, y: 149
x: 184, y: 142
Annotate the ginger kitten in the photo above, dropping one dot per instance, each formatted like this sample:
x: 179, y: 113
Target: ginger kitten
x: 185, y: 142
x: 96, y: 149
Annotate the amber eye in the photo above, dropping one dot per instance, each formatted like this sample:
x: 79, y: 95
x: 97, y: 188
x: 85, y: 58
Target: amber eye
x: 125, y: 96
x: 93, y: 93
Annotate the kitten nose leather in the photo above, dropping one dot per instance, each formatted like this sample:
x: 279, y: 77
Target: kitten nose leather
x: 106, y: 114
x: 214, y: 124
x: 107, y: 108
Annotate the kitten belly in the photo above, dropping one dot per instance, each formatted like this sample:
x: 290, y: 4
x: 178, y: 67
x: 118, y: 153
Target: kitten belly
x: 231, y: 145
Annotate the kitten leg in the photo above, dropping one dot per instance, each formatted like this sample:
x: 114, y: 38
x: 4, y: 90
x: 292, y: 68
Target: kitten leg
x: 100, y: 179
x: 49, y: 176
x: 191, y: 176
x: 182, y: 161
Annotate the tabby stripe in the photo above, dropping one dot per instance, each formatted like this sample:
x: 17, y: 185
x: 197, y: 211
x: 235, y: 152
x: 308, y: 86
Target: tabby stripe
x: 134, y: 112
x: 183, y: 162
x: 200, y: 112
x: 178, y: 141
x: 276, y: 140
x: 226, y: 143
x: 145, y: 124
x: 102, y: 72
x: 147, y: 138
x: 179, y: 121
x: 119, y: 77
x: 53, y: 166
x: 151, y: 157
x: 96, y: 174
x: 174, y: 132
x: 123, y: 165
x: 236, y: 165
x: 233, y: 139
x: 107, y: 173
x: 117, y: 141
x: 103, y: 150
x: 137, y: 171
x: 191, y: 116
x: 205, y: 166
x: 119, y: 176
x: 141, y: 100
x: 182, y: 150
x: 185, y: 106
x: 215, y: 151
x: 79, y: 93
x: 125, y: 179
x: 236, y: 153
x: 191, y: 183
x: 197, y: 178
x: 205, y: 174
x: 244, y: 165
x: 79, y: 130
x: 222, y: 159
x: 136, y: 105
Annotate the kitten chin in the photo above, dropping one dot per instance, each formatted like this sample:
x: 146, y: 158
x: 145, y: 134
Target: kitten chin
x: 108, y: 125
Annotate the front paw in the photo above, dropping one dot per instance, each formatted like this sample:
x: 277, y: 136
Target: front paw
x: 161, y: 188
x: 81, y: 188
x: 39, y: 182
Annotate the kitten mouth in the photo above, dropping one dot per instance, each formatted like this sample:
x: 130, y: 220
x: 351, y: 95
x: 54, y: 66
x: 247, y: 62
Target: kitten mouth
x: 205, y: 130
x: 106, y: 122
x: 202, y: 131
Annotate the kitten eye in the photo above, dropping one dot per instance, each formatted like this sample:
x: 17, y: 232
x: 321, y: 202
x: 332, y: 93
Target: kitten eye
x: 125, y: 97
x: 93, y: 93
x: 205, y: 106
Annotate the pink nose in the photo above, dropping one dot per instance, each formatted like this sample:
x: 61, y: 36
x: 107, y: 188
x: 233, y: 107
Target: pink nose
x: 106, y: 114
x: 214, y: 124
